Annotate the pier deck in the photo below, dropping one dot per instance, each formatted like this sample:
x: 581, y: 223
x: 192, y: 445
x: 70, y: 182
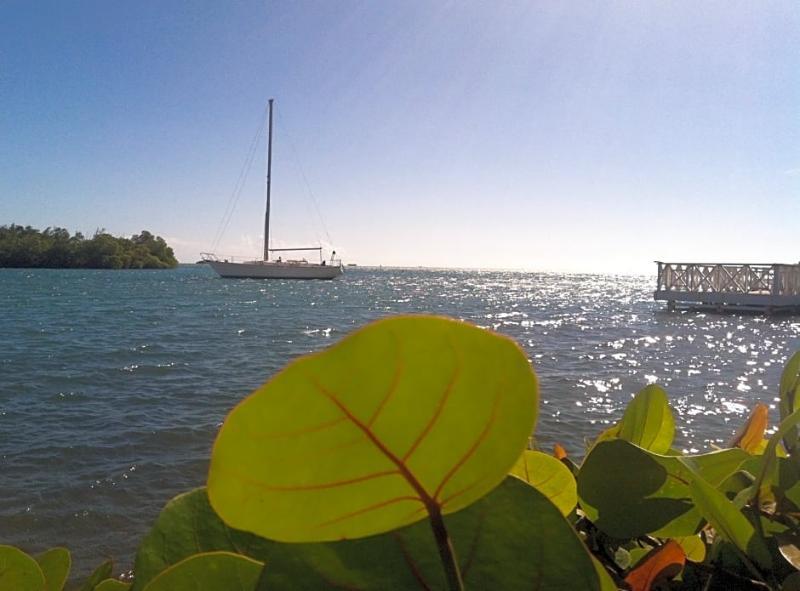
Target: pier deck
x: 764, y: 288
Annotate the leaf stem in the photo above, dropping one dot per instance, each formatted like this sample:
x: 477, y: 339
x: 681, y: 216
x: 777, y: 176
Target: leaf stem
x: 446, y: 552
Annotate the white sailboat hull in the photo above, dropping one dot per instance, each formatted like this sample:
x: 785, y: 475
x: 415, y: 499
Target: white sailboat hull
x: 275, y: 270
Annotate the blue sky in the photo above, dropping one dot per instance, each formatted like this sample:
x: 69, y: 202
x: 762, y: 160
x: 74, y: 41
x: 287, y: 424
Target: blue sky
x: 578, y: 136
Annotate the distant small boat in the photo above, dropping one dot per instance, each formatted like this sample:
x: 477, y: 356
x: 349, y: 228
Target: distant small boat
x: 279, y: 268
x: 352, y: 265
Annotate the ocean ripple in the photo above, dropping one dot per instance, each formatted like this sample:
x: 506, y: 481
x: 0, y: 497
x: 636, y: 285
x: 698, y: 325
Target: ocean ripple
x: 113, y: 384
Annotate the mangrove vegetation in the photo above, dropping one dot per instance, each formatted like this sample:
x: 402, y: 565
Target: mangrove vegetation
x: 24, y: 246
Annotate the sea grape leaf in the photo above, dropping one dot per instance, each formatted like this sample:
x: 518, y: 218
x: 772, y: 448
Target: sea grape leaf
x: 751, y: 436
x: 787, y: 486
x: 55, y: 564
x: 550, y: 477
x: 767, y: 463
x: 188, y: 525
x: 517, y: 524
x: 513, y: 538
x: 19, y: 571
x: 693, y: 547
x: 628, y: 491
x: 789, y: 392
x: 100, y: 574
x: 609, y: 434
x: 717, y: 466
x: 210, y: 570
x: 738, y: 487
x: 606, y: 582
x: 112, y: 585
x: 771, y: 526
x: 661, y: 564
x: 408, y: 415
x: 729, y: 522
x: 790, y: 382
x: 736, y: 483
x: 648, y: 420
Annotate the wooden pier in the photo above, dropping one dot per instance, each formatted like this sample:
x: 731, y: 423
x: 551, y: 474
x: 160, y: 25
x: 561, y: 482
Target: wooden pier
x: 769, y: 288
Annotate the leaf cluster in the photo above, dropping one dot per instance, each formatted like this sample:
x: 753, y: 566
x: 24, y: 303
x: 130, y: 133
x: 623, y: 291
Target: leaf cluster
x: 661, y: 519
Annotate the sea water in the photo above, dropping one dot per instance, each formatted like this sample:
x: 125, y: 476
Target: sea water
x: 113, y: 384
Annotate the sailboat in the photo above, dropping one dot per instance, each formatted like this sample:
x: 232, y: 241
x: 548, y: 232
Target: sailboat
x: 276, y: 268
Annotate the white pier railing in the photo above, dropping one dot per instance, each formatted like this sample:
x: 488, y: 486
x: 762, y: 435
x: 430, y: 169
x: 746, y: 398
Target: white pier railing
x: 772, y: 286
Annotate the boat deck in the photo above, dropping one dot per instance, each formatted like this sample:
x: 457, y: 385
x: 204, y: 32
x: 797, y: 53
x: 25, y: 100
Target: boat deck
x: 767, y: 288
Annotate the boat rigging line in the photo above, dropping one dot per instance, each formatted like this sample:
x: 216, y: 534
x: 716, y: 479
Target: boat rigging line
x: 299, y: 166
x: 239, y: 186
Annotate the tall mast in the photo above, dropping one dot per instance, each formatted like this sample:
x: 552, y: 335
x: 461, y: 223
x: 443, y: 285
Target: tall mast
x: 269, y: 177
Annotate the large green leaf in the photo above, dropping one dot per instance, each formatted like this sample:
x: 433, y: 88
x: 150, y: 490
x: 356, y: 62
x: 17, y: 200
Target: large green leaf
x: 18, y: 571
x: 694, y: 547
x: 789, y: 392
x: 628, y: 491
x: 101, y: 573
x: 112, y: 585
x: 606, y: 582
x: 787, y: 485
x: 55, y: 564
x: 790, y: 381
x: 407, y: 415
x: 717, y: 466
x: 188, y: 525
x: 209, y: 571
x: 550, y: 477
x: 513, y: 538
x: 729, y: 522
x: 767, y: 463
x: 648, y: 420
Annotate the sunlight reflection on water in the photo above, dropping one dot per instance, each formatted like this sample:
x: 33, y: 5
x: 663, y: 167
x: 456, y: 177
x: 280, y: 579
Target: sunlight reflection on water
x: 113, y: 384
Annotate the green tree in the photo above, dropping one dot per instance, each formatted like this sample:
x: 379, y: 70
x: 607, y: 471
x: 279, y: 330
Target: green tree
x: 24, y: 246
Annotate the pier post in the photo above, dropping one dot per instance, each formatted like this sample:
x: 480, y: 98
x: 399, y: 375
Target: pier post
x: 776, y: 280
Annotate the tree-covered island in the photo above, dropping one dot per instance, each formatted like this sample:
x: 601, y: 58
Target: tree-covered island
x: 24, y: 246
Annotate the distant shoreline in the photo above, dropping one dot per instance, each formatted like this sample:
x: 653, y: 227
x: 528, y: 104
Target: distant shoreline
x: 24, y: 247
x: 92, y: 268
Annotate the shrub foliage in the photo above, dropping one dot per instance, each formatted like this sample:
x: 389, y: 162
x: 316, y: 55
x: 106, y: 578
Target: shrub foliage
x: 23, y: 246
